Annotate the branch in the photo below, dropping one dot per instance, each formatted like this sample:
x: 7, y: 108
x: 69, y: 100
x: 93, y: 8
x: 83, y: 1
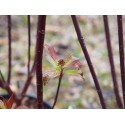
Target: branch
x: 28, y: 81
x: 9, y: 49
x: 84, y: 49
x: 4, y: 84
x: 29, y: 43
x: 110, y: 55
x: 57, y: 92
x: 39, y: 56
x: 121, y: 52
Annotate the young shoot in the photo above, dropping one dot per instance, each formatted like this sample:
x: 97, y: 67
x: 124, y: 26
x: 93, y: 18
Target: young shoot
x: 68, y: 65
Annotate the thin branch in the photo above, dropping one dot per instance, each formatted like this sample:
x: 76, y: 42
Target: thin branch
x: 121, y: 52
x: 110, y: 55
x: 4, y: 84
x: 27, y: 83
x: 39, y: 55
x: 29, y: 43
x: 1, y: 76
x: 9, y: 49
x: 84, y: 49
x: 6, y: 87
x: 28, y: 80
x: 58, y: 88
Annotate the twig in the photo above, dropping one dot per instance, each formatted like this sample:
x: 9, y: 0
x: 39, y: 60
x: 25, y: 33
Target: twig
x: 5, y: 85
x: 39, y: 55
x: 2, y: 76
x: 29, y: 78
x: 84, y: 49
x: 27, y: 83
x: 110, y: 55
x: 57, y: 92
x: 9, y: 49
x: 121, y: 52
x: 29, y: 43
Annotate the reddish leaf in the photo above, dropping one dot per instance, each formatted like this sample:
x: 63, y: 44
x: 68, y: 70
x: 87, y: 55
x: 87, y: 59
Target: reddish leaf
x: 11, y: 101
x: 5, y: 102
x: 76, y: 64
x: 8, y: 104
x: 52, y: 52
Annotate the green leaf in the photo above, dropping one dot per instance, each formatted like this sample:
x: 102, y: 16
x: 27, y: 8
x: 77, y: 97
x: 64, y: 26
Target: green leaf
x: 71, y: 72
x: 2, y: 106
x: 52, y: 62
x: 57, y: 68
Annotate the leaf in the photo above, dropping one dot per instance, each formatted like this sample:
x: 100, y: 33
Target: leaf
x: 50, y: 74
x: 5, y: 102
x: 68, y: 57
x: 76, y: 64
x: 82, y: 76
x: 51, y: 61
x: 11, y: 101
x: 51, y: 52
x: 8, y: 104
x: 2, y: 106
x: 71, y: 72
x: 58, y: 68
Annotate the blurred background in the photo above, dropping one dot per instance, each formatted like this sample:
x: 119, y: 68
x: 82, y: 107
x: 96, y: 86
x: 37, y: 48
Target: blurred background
x: 61, y: 35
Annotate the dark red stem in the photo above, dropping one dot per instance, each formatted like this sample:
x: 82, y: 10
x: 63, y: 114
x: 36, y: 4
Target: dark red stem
x: 85, y: 52
x: 110, y: 55
x: 58, y: 88
x: 121, y: 52
x: 29, y: 43
x: 39, y: 55
x: 4, y: 84
x: 28, y: 81
x: 9, y: 49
